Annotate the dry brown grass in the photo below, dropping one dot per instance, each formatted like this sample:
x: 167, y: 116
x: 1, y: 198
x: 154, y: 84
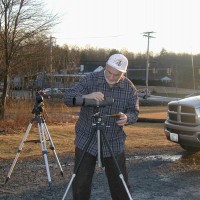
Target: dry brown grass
x: 155, y: 112
x: 62, y: 137
x: 61, y: 127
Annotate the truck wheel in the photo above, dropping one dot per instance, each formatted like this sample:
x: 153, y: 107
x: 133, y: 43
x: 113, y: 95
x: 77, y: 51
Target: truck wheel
x: 189, y: 148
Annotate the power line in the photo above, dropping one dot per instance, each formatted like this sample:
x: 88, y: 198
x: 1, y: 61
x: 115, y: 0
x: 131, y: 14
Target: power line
x: 88, y: 37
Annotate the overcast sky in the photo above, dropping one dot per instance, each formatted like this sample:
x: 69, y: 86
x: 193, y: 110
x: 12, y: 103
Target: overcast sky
x: 121, y: 24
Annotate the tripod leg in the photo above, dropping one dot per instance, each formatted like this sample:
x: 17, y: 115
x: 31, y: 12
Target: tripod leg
x: 99, y: 148
x: 52, y: 147
x: 18, y: 152
x: 78, y: 165
x: 68, y: 187
x: 117, y: 166
x: 44, y: 150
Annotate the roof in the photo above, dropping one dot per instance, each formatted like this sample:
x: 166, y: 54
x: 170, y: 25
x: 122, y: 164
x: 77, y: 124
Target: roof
x: 166, y: 78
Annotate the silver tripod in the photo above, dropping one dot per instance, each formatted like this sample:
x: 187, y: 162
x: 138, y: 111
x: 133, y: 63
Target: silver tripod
x: 44, y: 136
x: 100, y: 135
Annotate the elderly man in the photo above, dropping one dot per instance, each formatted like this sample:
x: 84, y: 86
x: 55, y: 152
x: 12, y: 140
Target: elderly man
x: 110, y: 82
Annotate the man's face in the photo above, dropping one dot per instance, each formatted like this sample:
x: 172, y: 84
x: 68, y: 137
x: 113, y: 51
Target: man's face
x: 112, y: 75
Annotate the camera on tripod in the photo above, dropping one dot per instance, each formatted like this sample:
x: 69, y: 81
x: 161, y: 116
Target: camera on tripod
x: 39, y: 105
x: 79, y: 101
x: 44, y: 135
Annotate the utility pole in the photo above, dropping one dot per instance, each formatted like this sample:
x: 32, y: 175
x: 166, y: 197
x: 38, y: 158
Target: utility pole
x: 193, y: 76
x: 148, y: 35
x: 51, y: 43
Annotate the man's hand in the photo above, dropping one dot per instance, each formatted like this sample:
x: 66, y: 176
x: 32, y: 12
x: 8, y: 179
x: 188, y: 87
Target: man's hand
x: 98, y: 96
x: 122, y: 120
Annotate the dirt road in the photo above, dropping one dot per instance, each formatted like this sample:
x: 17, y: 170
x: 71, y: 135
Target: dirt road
x: 157, y: 173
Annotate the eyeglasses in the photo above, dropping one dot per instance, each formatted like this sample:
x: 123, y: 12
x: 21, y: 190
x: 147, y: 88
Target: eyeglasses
x: 109, y: 73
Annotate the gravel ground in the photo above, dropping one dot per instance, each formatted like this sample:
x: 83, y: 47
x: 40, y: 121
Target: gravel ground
x: 156, y: 173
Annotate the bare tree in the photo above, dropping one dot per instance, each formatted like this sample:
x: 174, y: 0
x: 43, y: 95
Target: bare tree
x: 20, y: 22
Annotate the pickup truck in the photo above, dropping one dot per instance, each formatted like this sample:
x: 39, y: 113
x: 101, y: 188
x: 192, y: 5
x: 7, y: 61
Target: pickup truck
x: 182, y: 125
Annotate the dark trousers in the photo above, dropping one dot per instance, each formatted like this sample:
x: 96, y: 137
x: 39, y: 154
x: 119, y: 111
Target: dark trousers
x: 82, y: 182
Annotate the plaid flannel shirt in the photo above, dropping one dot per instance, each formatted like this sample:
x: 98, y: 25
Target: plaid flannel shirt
x: 125, y: 98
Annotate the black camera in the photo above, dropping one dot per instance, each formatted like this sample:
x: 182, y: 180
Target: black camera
x: 39, y: 105
x: 38, y: 97
x: 79, y: 101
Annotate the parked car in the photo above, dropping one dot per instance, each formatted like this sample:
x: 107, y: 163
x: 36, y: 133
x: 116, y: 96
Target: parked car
x: 51, y: 93
x: 144, y: 93
x: 183, y: 123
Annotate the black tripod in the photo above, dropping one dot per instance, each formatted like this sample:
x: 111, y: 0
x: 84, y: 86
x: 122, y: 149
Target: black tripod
x: 44, y: 136
x: 100, y: 137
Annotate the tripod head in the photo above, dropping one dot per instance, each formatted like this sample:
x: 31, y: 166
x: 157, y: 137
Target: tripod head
x: 98, y: 118
x: 98, y: 115
x: 39, y: 104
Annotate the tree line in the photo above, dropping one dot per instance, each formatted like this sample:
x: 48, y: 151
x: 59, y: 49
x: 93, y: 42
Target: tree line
x: 26, y: 48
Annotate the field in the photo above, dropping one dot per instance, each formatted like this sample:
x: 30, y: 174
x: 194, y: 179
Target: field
x: 60, y: 121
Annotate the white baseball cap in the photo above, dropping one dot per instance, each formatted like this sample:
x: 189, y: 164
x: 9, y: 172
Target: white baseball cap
x: 118, y: 61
